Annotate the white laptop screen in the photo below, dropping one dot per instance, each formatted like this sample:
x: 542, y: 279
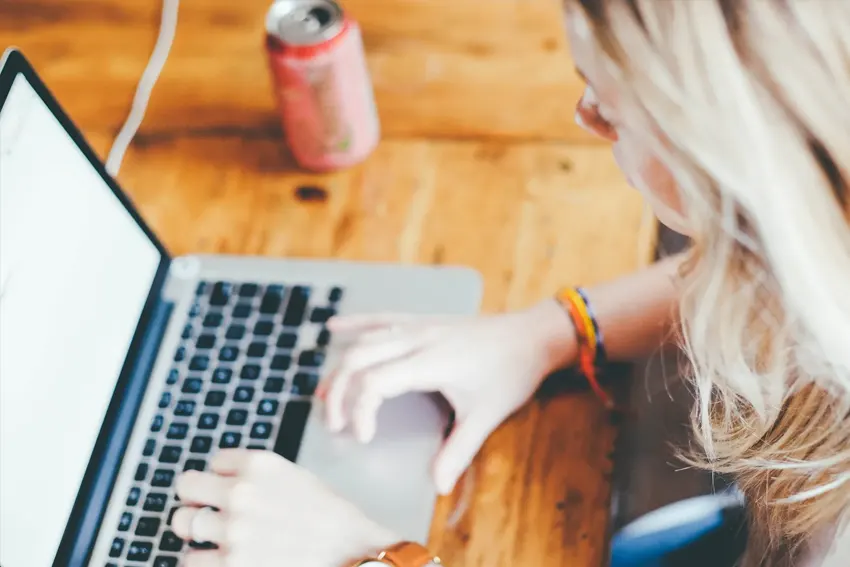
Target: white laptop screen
x: 75, y: 273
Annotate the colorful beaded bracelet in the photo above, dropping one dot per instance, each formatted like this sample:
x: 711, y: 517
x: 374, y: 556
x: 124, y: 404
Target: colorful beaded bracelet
x: 591, y: 356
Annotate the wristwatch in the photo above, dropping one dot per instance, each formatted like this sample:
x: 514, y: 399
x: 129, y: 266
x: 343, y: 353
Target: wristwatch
x: 403, y: 554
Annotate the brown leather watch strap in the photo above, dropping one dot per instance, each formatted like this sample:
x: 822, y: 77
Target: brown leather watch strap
x: 409, y: 554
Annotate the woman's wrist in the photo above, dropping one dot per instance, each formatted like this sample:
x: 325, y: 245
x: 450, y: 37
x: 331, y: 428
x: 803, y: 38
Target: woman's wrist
x: 555, y: 334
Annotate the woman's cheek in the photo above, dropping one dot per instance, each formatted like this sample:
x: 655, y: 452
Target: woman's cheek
x: 647, y: 174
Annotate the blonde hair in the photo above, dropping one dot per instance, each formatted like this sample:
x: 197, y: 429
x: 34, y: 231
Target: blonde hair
x: 747, y: 102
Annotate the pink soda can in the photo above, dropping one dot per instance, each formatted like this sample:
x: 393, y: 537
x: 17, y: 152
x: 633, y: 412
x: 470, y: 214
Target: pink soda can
x: 321, y: 83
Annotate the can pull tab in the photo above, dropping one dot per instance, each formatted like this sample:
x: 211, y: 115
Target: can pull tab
x: 314, y: 19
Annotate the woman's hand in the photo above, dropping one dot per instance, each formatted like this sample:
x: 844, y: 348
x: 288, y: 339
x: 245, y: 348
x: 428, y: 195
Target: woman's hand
x: 486, y: 367
x: 270, y: 513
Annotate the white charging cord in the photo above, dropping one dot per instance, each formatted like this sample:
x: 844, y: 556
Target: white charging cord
x: 167, y: 29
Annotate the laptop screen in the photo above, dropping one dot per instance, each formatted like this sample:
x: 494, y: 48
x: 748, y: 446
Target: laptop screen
x: 75, y: 272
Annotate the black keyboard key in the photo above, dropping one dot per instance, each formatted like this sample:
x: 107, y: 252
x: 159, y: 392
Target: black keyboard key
x: 184, y: 408
x: 155, y: 502
x: 324, y: 338
x: 335, y: 295
x: 192, y: 386
x: 212, y: 320
x: 267, y: 407
x: 275, y: 288
x: 165, y: 561
x: 150, y: 448
x: 292, y: 429
x: 242, y: 311
x: 180, y: 354
x: 261, y: 430
x: 287, y: 340
x: 139, y: 551
x: 271, y: 302
x: 195, y: 465
x: 221, y: 293
x: 156, y: 424
x: 237, y: 417
x: 250, y: 372
x: 165, y: 400
x: 148, y: 526
x: 199, y: 362
x: 235, y: 332
x: 170, y: 541
x: 173, y: 376
x: 125, y: 522
x: 162, y: 478
x: 230, y: 440
x: 205, y: 342
x: 322, y: 314
x: 194, y: 310
x: 222, y: 375
x: 311, y: 358
x: 280, y: 362
x: 202, y: 287
x: 201, y: 444
x: 208, y: 421
x: 141, y: 472
x: 215, y: 398
x: 188, y: 331
x: 296, y: 306
x: 263, y: 328
x: 202, y: 545
x: 171, y: 515
x: 256, y: 447
x: 133, y: 496
x: 274, y: 385
x: 243, y: 394
x: 228, y: 353
x: 248, y: 290
x: 304, y: 384
x: 256, y: 350
x: 170, y: 454
x: 117, y: 547
x: 177, y: 431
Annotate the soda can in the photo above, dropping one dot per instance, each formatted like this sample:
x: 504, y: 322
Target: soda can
x: 321, y: 83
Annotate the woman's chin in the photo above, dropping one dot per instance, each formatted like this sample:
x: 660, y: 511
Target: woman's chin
x: 673, y: 221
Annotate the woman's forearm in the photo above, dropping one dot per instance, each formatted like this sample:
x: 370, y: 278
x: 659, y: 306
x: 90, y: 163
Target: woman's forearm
x: 637, y: 313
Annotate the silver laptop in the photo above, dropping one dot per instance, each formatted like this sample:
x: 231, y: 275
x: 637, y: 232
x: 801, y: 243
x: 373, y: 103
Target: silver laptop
x: 122, y: 366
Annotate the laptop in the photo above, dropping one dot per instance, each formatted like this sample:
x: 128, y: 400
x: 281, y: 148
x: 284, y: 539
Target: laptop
x: 122, y: 366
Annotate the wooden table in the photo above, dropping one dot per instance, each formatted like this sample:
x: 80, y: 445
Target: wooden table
x: 480, y: 164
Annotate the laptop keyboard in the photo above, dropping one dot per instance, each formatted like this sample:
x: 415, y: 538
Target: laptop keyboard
x: 243, y: 376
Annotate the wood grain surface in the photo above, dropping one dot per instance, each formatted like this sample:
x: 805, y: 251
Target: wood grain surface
x: 480, y: 165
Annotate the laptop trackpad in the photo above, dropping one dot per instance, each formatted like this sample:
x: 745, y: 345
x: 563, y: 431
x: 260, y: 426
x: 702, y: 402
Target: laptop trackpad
x: 389, y: 478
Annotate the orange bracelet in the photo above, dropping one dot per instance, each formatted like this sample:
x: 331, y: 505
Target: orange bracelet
x: 587, y: 333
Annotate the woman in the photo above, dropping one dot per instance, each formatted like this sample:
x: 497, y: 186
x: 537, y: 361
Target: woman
x: 733, y: 118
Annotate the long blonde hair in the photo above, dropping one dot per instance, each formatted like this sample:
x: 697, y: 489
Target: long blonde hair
x: 747, y: 102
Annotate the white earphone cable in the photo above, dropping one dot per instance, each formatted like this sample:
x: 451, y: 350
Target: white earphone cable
x: 167, y: 29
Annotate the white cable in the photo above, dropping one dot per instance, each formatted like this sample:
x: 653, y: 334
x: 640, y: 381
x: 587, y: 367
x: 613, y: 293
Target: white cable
x: 167, y: 28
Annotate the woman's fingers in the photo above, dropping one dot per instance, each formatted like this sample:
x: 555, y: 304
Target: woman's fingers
x: 198, y: 524
x: 367, y: 322
x: 205, y: 558
x: 205, y: 489
x: 355, y: 361
x: 379, y: 383
x: 460, y: 449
